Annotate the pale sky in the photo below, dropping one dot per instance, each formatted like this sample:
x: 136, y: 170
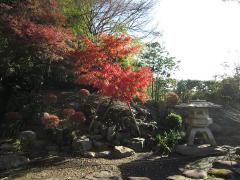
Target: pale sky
x: 202, y: 34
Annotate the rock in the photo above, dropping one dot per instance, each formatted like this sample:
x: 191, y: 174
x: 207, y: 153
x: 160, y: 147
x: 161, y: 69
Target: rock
x: 7, y: 147
x: 123, y: 137
x: 82, y: 144
x: 27, y: 139
x: 238, y: 151
x: 99, y: 145
x: 221, y: 173
x: 138, y: 178
x: 89, y: 154
x: 111, y: 133
x: 177, y: 177
x: 97, y: 137
x: 12, y: 161
x: 237, y: 170
x: 122, y: 152
x: 195, y: 173
x: 102, y: 175
x: 103, y: 154
x: 96, y: 127
x: 199, y: 151
x: 137, y: 144
x: 221, y: 164
x: 201, y: 164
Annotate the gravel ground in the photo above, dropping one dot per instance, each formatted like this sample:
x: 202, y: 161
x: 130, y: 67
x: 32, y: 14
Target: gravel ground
x: 141, y: 164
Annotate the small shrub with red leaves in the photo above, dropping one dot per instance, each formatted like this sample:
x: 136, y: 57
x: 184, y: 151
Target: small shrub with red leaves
x: 50, y: 121
x: 78, y: 118
x: 68, y: 112
x: 84, y: 92
x: 172, y: 98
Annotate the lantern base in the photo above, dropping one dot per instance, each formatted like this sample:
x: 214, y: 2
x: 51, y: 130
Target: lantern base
x: 207, y: 134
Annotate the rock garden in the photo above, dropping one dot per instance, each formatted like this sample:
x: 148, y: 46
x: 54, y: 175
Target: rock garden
x: 84, y: 96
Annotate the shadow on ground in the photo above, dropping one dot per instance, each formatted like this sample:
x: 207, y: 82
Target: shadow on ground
x: 158, y: 168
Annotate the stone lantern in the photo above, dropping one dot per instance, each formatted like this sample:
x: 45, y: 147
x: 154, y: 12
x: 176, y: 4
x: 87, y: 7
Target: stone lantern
x: 198, y: 120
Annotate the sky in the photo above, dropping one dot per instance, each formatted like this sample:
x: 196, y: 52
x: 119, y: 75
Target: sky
x: 202, y: 34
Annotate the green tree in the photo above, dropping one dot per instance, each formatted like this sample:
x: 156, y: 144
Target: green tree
x: 163, y: 65
x: 91, y: 17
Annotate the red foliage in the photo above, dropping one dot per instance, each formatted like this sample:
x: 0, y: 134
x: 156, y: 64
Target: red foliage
x: 78, y: 117
x: 108, y: 48
x: 37, y: 25
x: 50, y: 121
x: 172, y: 98
x: 68, y: 112
x: 99, y: 61
x: 84, y: 92
x: 118, y: 83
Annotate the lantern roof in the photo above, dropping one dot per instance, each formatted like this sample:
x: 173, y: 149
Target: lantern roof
x: 198, y: 104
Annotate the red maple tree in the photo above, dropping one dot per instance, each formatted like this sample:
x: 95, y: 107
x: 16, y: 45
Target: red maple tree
x: 119, y: 83
x: 106, y: 48
x: 37, y: 26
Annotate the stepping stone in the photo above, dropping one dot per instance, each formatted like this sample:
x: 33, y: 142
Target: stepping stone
x: 199, y: 151
x: 220, y: 164
x: 102, y: 175
x: 177, y: 177
x: 221, y: 173
x: 195, y: 173
x: 138, y: 178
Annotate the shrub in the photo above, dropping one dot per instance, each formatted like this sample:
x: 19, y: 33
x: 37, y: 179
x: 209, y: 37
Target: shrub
x: 13, y: 124
x: 50, y: 121
x: 173, y: 121
x: 78, y: 118
x: 68, y: 112
x: 172, y: 99
x: 167, y: 141
x: 84, y: 92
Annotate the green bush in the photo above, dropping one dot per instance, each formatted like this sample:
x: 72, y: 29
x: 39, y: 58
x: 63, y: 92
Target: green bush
x: 167, y: 141
x: 173, y: 121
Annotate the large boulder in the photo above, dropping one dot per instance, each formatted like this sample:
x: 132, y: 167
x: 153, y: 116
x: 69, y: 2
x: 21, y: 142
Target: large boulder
x: 12, y: 161
x: 122, y: 152
x: 199, y: 151
x: 137, y: 144
x: 111, y: 133
x: 82, y: 144
x: 27, y: 139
